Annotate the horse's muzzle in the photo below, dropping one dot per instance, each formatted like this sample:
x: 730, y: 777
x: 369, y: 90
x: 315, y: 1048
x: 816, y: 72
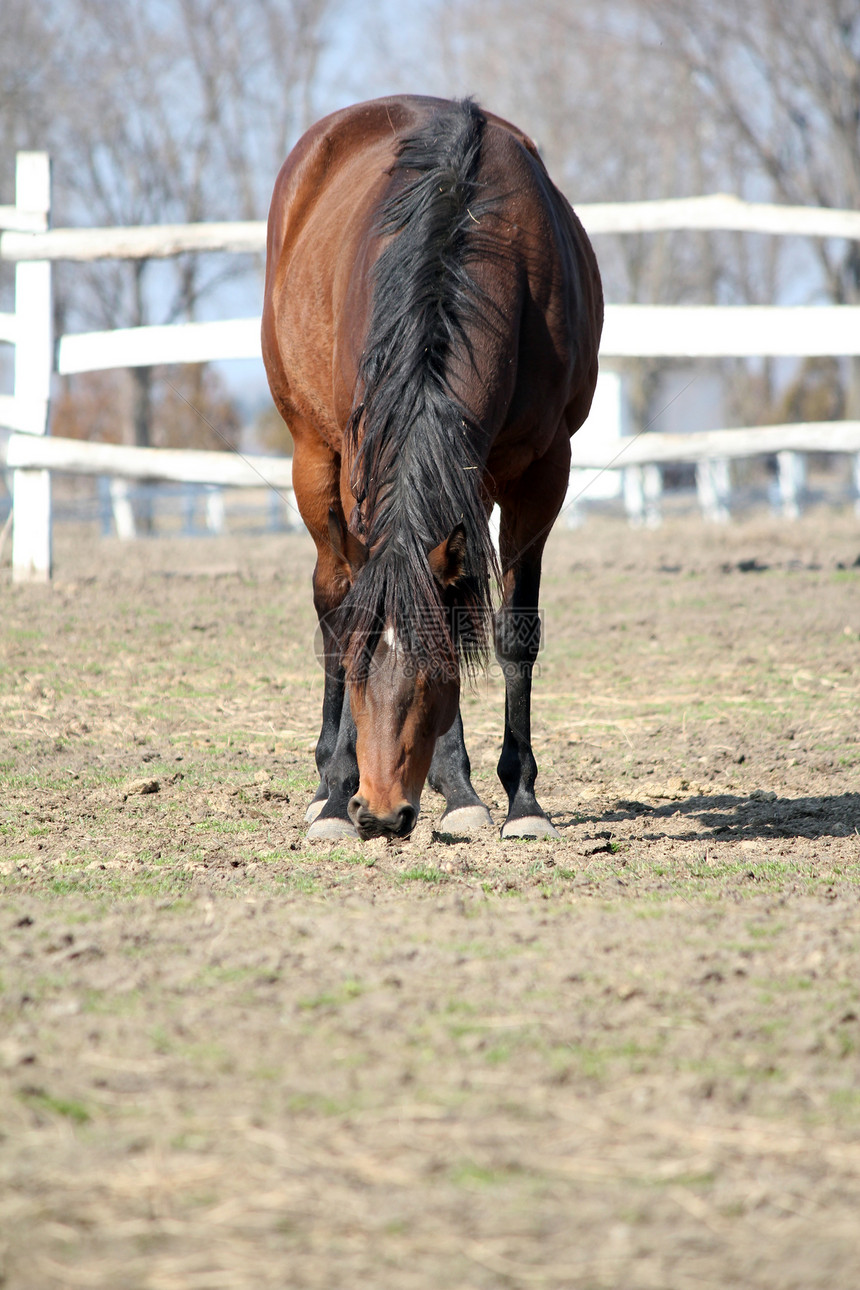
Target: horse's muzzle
x: 398, y: 823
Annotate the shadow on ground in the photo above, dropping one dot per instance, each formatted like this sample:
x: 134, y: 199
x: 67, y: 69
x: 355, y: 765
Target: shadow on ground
x: 759, y: 815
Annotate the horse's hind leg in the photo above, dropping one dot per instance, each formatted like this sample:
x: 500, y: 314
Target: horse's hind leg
x: 450, y: 774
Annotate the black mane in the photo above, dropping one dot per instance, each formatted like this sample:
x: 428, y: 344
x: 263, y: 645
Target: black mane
x: 416, y: 453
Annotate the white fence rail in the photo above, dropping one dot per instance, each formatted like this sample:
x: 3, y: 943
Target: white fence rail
x: 725, y: 331
x: 630, y: 330
x: 204, y: 342
x: 677, y: 331
x: 718, y: 212
x: 173, y: 465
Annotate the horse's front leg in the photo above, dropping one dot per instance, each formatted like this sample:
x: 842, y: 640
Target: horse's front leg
x: 339, y: 779
x: 335, y: 751
x: 333, y: 698
x: 450, y: 775
x: 316, y: 472
x: 517, y: 644
x: 528, y: 512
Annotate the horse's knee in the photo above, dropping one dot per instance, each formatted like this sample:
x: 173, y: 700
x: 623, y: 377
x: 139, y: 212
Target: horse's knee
x: 517, y: 637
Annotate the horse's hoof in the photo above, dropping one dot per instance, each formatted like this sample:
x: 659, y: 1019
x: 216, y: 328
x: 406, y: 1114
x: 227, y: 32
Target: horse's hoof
x: 466, y: 819
x: 330, y: 830
x: 314, y: 809
x: 530, y: 826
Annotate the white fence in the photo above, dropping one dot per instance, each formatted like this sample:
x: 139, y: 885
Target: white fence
x: 630, y: 330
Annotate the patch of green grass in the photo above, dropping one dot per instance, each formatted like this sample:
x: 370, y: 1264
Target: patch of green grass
x: 845, y: 1102
x: 790, y: 983
x: 267, y: 1074
x: 347, y: 991
x: 423, y: 873
x: 345, y: 855
x: 301, y: 881
x: 297, y: 780
x: 217, y: 825
x: 67, y: 1107
x: 468, y: 1173
x: 599, y: 1062
x: 102, y: 885
x: 499, y: 1053
x: 461, y: 1007
x: 190, y: 1142
x: 218, y: 974
x: 111, y: 1003
x: 317, y: 1104
x: 209, y: 1055
x: 64, y: 886
x: 22, y: 634
x: 846, y: 1042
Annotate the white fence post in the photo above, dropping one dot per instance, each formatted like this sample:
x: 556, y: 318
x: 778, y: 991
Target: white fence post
x: 123, y: 514
x: 791, y: 480
x: 643, y: 489
x: 713, y: 486
x: 216, y: 511
x: 31, y: 489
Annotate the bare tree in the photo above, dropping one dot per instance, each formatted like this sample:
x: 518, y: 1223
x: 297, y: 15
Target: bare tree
x: 632, y: 99
x: 781, y: 80
x: 163, y: 111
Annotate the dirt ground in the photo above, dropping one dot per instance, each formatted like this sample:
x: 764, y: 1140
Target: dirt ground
x: 630, y: 1058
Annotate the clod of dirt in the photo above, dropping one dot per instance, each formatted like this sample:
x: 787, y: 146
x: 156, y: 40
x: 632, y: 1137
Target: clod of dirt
x: 673, y: 790
x: 141, y: 787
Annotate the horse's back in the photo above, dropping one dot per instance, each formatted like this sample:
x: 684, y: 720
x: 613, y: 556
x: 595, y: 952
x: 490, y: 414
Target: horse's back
x: 323, y: 240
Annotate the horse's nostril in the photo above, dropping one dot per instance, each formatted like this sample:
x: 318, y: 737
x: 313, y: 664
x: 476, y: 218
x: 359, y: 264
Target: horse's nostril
x: 405, y: 820
x: 355, y: 806
x: 363, y: 818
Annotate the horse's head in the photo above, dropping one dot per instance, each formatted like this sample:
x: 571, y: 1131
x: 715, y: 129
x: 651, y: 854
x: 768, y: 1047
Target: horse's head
x: 403, y: 681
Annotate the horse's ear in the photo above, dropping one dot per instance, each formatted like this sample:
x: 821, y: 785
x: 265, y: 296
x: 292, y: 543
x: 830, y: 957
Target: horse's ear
x: 448, y: 559
x: 350, y: 550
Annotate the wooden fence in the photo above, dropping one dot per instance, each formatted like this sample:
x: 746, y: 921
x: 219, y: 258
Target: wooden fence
x: 630, y: 330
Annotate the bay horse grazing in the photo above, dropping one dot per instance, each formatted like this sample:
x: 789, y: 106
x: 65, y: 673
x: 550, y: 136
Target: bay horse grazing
x: 431, y: 321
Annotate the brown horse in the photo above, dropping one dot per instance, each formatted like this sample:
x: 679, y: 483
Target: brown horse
x: 431, y: 321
